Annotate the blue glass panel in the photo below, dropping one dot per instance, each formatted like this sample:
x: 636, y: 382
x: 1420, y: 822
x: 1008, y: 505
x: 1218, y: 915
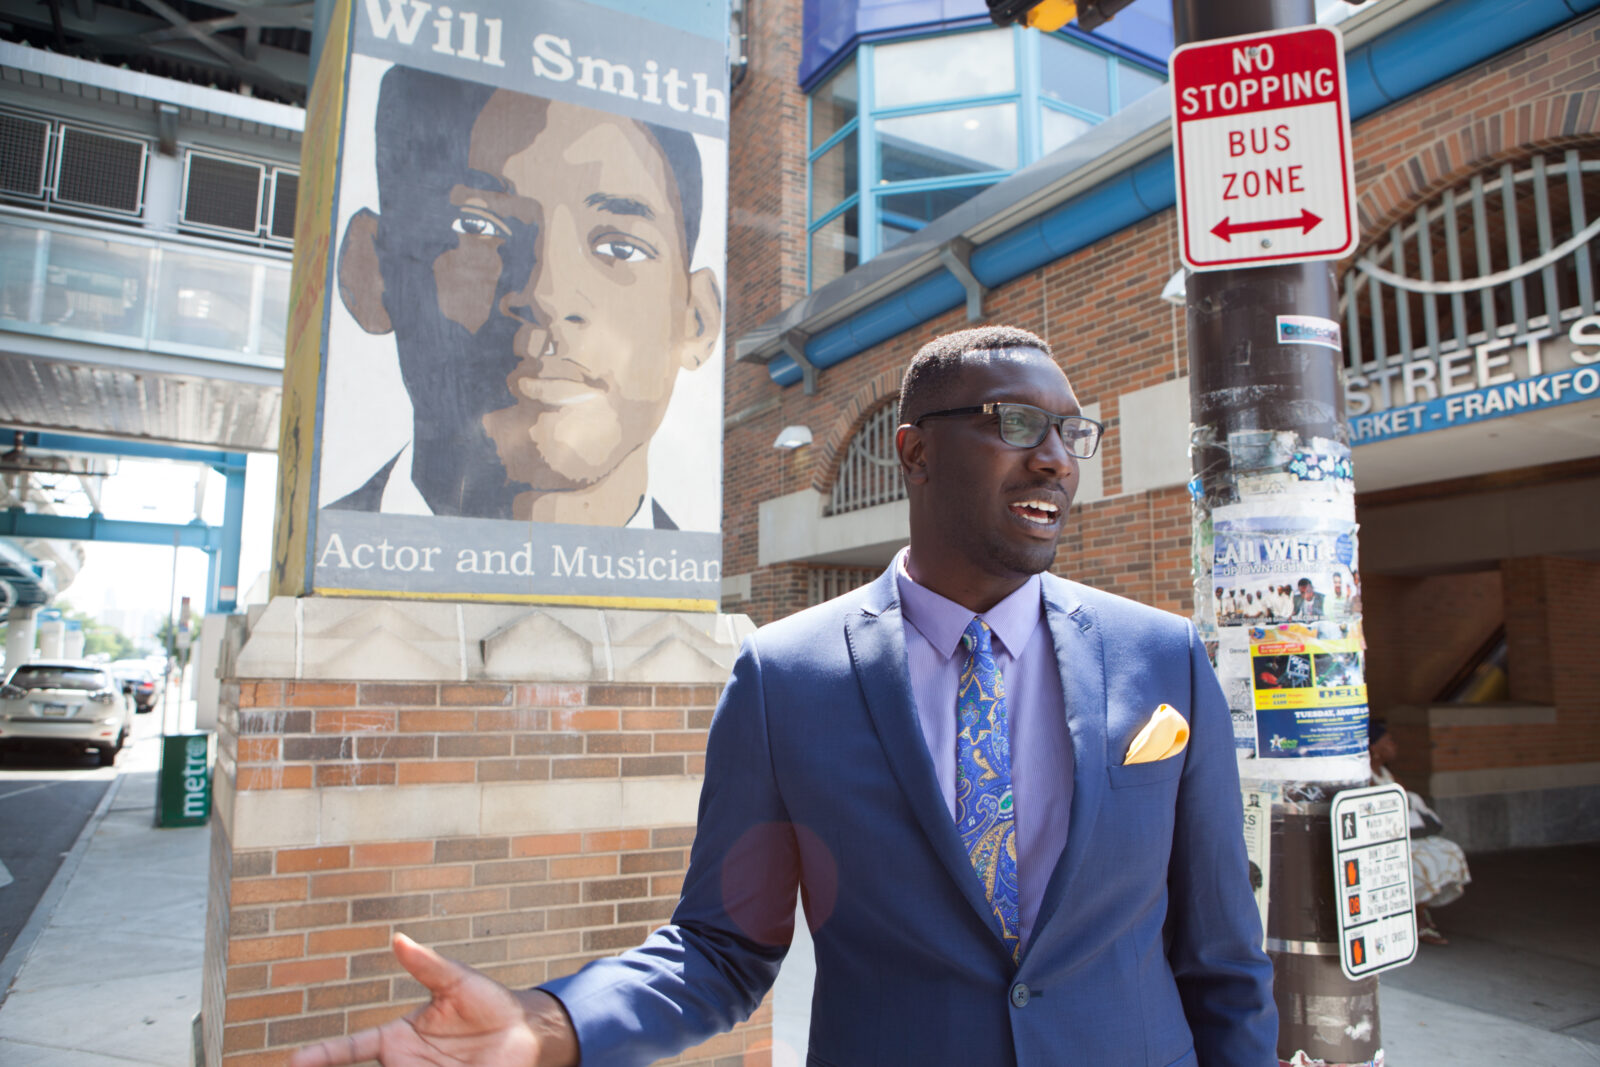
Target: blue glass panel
x: 203, y: 301
x: 834, y: 176
x: 1074, y: 75
x: 96, y: 285
x: 1135, y: 82
x: 835, y: 247
x: 1056, y: 128
x: 938, y: 144
x: 834, y: 103
x: 1144, y: 26
x: 948, y: 67
x: 902, y: 214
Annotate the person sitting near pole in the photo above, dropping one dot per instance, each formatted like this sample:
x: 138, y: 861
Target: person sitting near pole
x: 1439, y: 872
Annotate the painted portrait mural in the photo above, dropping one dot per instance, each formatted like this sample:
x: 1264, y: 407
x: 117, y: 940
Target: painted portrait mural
x: 520, y: 385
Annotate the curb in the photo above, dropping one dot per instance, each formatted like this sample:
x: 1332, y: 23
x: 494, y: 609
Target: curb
x: 45, y: 910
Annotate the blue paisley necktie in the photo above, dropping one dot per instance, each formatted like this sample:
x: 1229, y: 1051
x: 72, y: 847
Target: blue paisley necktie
x: 985, y: 818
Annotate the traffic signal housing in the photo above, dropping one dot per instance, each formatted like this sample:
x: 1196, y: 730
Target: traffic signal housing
x: 1051, y: 15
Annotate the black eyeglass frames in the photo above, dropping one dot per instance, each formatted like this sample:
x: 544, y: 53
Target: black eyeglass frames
x: 1024, y: 426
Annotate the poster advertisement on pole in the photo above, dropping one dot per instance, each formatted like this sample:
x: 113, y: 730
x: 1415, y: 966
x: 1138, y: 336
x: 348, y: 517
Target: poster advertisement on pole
x: 1261, y: 143
x: 1287, y: 608
x: 1372, y: 880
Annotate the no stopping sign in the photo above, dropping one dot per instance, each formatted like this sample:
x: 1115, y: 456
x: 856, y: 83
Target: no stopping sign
x: 1261, y: 139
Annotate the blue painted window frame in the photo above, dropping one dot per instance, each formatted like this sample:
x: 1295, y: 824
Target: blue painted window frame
x: 1026, y: 97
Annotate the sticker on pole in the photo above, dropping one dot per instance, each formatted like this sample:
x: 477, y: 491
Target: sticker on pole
x: 1261, y: 136
x: 1372, y: 880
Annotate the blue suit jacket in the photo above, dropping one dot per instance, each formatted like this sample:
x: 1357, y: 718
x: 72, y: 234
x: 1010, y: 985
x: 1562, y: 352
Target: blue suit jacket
x: 1147, y: 947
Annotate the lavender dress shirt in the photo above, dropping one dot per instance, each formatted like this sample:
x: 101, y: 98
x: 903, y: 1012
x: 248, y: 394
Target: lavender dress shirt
x: 1041, y: 748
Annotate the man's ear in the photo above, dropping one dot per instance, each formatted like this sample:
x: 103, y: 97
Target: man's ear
x: 360, y: 277
x: 702, y: 318
x: 912, y: 447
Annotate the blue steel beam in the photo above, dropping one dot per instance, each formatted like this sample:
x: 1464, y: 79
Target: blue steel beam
x: 105, y: 446
x: 14, y: 522
x: 221, y: 544
x: 222, y: 590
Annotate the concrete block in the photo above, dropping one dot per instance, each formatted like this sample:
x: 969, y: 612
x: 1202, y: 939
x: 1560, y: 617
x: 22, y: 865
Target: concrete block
x: 381, y: 653
x: 275, y: 818
x: 568, y: 806
x: 1154, y: 436
x: 385, y: 813
x: 330, y: 638
x: 402, y: 640
x: 269, y: 650
x: 671, y: 660
x: 541, y: 646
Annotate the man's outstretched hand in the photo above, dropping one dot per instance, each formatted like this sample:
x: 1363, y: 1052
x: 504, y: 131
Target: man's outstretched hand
x: 472, y: 1019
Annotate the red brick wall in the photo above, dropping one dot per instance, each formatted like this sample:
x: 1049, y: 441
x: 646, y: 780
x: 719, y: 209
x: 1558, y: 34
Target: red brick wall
x: 767, y: 172
x: 1419, y: 631
x: 1550, y: 631
x: 301, y: 933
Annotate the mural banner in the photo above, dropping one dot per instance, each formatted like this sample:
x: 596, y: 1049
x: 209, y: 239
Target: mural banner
x: 520, y: 385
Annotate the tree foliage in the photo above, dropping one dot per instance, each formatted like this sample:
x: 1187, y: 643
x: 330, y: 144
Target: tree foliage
x: 98, y: 638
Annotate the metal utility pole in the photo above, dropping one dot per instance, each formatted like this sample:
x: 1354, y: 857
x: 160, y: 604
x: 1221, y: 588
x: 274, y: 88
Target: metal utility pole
x: 1268, y: 422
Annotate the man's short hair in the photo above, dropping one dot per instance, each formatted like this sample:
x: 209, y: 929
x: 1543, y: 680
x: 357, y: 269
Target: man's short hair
x: 935, y: 369
x: 420, y: 119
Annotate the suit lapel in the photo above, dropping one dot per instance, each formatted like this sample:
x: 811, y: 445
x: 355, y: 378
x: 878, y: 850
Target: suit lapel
x: 1080, y: 657
x: 876, y: 636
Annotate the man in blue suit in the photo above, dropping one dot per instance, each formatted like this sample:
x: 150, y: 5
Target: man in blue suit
x: 975, y: 775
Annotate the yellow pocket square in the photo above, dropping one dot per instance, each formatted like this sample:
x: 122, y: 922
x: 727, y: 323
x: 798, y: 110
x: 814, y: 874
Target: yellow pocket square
x: 1164, y: 735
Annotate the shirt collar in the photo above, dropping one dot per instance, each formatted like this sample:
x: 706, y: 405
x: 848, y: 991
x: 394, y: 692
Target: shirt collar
x: 400, y: 494
x: 942, y: 621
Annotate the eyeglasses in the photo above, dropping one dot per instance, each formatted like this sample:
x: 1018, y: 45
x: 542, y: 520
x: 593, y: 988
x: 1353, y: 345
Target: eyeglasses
x: 1024, y: 426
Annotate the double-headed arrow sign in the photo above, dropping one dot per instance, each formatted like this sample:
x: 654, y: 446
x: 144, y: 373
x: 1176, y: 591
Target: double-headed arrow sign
x: 1306, y: 222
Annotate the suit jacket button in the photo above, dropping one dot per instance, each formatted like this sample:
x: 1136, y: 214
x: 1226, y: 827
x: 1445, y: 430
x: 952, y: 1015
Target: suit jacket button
x: 1019, y: 995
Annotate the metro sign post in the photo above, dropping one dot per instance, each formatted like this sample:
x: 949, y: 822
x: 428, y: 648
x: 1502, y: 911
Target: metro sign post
x: 1261, y: 134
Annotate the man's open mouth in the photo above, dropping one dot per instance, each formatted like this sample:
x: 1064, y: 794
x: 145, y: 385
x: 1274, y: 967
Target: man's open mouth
x: 1038, y: 512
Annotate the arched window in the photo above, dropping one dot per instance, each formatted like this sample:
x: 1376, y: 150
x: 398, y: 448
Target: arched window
x: 870, y: 472
x: 1469, y: 299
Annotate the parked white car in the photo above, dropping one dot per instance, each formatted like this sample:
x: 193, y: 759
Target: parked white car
x: 68, y: 702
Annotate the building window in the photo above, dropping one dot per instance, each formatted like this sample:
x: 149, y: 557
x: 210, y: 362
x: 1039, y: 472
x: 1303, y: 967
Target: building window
x: 869, y: 474
x: 907, y: 130
x: 238, y: 197
x: 83, y: 169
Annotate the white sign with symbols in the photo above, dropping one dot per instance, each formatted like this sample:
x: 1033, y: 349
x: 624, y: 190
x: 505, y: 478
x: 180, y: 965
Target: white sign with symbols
x: 1372, y: 880
x: 1261, y: 138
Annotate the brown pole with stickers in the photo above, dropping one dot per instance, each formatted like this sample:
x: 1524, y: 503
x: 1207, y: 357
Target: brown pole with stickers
x: 1270, y: 453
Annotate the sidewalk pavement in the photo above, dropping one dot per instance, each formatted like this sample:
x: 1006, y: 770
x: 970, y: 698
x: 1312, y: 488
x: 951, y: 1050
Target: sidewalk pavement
x: 108, y: 970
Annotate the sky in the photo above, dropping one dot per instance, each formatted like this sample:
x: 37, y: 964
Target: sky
x: 139, y: 578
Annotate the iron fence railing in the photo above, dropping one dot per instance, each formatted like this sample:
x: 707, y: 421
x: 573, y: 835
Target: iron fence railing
x: 1510, y: 253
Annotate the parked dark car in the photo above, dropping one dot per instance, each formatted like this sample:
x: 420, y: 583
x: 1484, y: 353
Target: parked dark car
x: 138, y: 681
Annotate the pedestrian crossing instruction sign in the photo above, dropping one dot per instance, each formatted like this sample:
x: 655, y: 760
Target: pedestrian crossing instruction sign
x: 1372, y: 880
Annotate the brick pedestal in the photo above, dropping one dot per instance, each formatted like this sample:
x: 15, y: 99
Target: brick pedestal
x: 515, y: 787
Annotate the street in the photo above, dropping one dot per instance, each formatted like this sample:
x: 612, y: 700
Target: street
x: 46, y: 796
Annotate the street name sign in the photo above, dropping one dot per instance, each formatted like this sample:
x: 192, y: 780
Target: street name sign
x: 1372, y: 880
x: 1261, y: 138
